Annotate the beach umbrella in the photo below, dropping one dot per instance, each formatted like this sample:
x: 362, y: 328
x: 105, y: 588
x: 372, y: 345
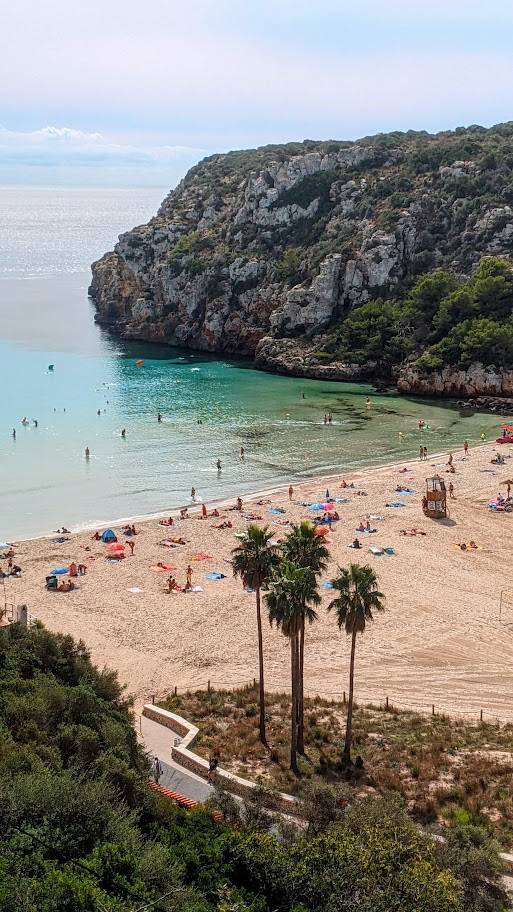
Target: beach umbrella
x: 116, y: 548
x: 321, y: 530
x: 328, y: 506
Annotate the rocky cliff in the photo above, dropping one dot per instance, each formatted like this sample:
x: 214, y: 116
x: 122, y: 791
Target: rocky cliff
x: 263, y: 253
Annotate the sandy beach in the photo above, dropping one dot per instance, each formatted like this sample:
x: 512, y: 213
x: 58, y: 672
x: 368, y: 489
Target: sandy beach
x: 440, y: 641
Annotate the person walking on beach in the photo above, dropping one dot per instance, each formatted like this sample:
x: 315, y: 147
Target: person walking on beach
x: 156, y: 769
x: 451, y: 490
x: 425, y: 453
x: 188, y: 573
x: 421, y: 452
x: 131, y: 545
x: 204, y: 513
x: 465, y: 447
x: 291, y: 491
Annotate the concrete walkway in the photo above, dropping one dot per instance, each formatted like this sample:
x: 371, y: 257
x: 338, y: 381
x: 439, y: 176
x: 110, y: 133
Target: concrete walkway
x: 158, y: 742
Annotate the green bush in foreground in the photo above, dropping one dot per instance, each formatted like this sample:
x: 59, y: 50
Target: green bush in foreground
x: 81, y: 832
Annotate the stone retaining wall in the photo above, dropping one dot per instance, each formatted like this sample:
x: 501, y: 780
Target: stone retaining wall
x: 185, y: 757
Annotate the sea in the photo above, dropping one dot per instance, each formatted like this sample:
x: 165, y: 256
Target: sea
x: 210, y: 406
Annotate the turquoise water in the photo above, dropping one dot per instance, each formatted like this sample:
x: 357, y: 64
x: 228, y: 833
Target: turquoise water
x: 46, y: 318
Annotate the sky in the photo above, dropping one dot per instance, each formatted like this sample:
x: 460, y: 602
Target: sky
x: 126, y: 92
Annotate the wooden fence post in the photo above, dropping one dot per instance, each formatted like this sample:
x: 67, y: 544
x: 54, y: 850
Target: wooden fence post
x: 208, y: 686
x: 432, y: 709
x: 481, y: 716
x: 386, y: 702
x: 176, y: 690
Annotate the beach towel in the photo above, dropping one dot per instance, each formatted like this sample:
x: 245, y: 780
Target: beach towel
x: 389, y: 551
x: 395, y: 505
x: 376, y: 516
x: 215, y: 575
x: 135, y: 589
x: 316, y: 506
x: 201, y: 556
x: 275, y: 511
x: 54, y: 541
x: 193, y: 589
x: 405, y: 491
x: 375, y: 550
x: 412, y: 532
x: 162, y: 568
x: 342, y: 500
x: 59, y: 571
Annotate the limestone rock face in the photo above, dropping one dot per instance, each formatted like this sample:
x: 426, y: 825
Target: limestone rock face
x: 476, y: 380
x: 277, y: 245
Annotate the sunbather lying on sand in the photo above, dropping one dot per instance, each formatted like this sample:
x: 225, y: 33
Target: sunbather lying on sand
x: 226, y: 524
x: 166, y: 522
x: 412, y: 532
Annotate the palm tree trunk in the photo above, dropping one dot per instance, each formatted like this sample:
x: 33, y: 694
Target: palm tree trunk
x: 300, y: 695
x: 349, y: 722
x: 261, y: 686
x: 293, y: 714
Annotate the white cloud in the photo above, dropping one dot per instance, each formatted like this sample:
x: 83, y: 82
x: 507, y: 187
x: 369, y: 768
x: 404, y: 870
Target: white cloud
x: 64, y: 145
x: 64, y: 155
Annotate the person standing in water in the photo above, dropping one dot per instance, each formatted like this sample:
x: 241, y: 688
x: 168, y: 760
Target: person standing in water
x: 87, y: 453
x: 35, y: 422
x: 242, y: 452
x: 219, y: 466
x: 368, y: 403
x: 13, y: 435
x: 159, y: 417
x: 291, y: 491
x: 193, y: 493
x: 123, y: 432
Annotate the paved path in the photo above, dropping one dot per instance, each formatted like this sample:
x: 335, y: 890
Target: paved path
x: 158, y: 741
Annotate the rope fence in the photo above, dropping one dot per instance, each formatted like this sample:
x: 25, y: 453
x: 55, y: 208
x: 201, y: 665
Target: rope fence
x: 385, y: 704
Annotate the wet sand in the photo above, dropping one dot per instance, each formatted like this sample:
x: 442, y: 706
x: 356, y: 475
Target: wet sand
x: 440, y: 641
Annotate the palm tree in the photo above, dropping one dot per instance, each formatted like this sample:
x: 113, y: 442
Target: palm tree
x: 254, y: 560
x: 293, y: 592
x: 306, y: 549
x: 358, y: 597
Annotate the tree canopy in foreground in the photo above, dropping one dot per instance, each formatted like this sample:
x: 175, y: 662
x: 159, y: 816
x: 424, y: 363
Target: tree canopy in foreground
x: 81, y: 831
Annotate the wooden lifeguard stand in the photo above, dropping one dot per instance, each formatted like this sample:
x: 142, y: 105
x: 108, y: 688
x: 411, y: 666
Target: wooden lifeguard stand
x: 434, y: 503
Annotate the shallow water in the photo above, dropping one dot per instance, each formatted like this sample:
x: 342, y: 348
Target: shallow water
x: 47, y: 240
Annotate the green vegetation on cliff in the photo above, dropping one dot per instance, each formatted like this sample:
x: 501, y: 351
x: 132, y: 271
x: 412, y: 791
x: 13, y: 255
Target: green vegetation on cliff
x: 81, y: 831
x: 442, y: 319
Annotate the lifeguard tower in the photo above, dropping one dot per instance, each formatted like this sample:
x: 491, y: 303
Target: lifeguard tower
x: 434, y: 502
